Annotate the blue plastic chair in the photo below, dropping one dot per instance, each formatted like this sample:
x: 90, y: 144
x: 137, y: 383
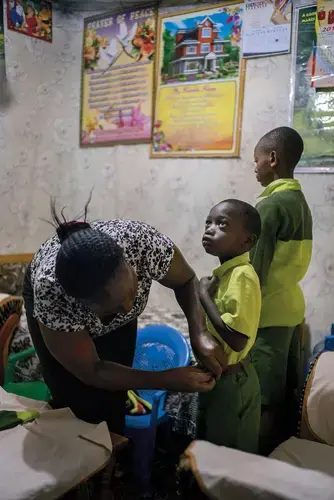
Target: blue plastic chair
x: 158, y: 348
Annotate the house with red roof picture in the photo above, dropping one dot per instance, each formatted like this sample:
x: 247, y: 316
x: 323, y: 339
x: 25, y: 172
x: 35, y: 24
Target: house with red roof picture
x: 198, y: 49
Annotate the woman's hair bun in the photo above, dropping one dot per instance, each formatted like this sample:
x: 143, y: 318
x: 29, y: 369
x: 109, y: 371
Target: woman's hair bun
x: 65, y: 229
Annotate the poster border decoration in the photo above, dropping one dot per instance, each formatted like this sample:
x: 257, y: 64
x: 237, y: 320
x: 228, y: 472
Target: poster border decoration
x: 117, y: 141
x: 239, y: 98
x: 302, y: 169
x: 22, y: 32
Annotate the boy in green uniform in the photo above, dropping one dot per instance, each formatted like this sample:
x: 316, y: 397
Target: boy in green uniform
x: 281, y: 258
x: 231, y: 299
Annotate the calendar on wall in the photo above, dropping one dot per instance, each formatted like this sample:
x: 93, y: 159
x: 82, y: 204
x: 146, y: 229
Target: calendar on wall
x: 267, y: 28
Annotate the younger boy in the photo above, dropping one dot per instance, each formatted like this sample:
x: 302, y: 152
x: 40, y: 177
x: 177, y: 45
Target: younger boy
x: 281, y: 258
x: 231, y: 299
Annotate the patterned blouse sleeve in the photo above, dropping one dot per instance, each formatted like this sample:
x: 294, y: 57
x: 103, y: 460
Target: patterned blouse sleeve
x: 54, y: 309
x: 157, y: 251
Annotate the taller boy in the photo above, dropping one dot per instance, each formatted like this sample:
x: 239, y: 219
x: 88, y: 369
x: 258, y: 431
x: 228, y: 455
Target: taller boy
x: 281, y: 257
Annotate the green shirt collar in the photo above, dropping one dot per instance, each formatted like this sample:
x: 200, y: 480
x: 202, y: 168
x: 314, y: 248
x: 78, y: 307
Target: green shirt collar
x: 237, y: 261
x: 281, y: 185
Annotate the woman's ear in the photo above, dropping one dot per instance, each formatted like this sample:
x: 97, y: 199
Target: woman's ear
x: 273, y: 159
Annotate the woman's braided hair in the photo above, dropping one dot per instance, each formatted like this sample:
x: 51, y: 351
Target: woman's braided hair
x: 87, y: 258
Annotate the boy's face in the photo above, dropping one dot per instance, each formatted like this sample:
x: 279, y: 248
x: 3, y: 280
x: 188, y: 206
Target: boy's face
x: 225, y: 235
x: 265, y: 163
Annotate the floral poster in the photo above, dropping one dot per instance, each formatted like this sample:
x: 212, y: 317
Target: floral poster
x: 199, y: 83
x: 30, y: 17
x: 117, y: 78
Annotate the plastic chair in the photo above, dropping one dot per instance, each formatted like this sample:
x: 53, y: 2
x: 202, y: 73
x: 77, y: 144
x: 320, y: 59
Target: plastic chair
x: 158, y: 348
x: 33, y: 390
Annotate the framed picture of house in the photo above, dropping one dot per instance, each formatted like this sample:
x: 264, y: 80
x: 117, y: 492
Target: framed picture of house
x: 199, y: 83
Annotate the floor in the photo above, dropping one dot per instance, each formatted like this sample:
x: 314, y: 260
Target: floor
x: 164, y: 473
x: 165, y: 478
x: 163, y: 482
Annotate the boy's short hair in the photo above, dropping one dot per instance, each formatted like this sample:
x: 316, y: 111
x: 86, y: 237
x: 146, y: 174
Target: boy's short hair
x: 286, y: 141
x: 251, y: 217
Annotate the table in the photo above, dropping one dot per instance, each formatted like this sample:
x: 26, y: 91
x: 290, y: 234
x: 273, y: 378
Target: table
x: 103, y: 478
x: 119, y: 443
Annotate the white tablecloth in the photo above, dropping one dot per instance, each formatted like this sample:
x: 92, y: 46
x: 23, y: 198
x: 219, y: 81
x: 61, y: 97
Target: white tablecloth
x: 228, y: 474
x: 44, y: 459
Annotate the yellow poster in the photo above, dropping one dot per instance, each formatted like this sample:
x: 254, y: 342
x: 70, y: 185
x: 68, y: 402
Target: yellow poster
x: 117, y: 78
x: 199, y: 83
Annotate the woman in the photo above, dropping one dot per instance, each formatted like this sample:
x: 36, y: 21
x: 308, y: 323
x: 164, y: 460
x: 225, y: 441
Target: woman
x: 83, y: 292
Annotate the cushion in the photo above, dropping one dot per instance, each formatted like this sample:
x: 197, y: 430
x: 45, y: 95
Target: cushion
x: 306, y: 454
x: 10, y: 313
x: 12, y: 277
x: 9, y: 305
x: 6, y: 333
x: 317, y: 422
x: 27, y: 369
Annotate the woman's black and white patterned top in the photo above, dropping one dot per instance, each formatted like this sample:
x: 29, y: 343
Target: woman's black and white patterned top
x: 149, y: 252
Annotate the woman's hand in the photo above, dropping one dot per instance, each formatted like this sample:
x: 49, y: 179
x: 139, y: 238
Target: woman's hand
x: 189, y: 379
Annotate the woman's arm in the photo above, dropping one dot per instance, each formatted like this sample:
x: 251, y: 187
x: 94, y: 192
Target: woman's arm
x: 182, y: 279
x: 76, y: 352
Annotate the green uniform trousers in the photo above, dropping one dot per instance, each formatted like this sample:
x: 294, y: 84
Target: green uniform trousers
x: 230, y: 414
x: 276, y: 350
x: 278, y: 359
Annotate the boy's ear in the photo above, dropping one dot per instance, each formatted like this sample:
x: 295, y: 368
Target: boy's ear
x: 273, y: 159
x: 251, y: 240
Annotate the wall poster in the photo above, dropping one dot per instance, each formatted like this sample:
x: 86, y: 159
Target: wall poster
x: 117, y: 78
x: 312, y: 110
x: 31, y: 18
x: 199, y: 83
x: 2, y: 35
x: 323, y: 69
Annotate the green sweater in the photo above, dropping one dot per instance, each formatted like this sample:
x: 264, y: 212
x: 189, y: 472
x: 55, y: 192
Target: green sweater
x: 282, y: 255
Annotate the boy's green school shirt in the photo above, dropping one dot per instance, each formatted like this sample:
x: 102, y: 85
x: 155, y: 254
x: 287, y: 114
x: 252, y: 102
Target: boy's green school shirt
x: 282, y: 255
x: 238, y: 299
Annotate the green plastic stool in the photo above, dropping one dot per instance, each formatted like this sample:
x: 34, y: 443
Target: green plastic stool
x: 32, y: 390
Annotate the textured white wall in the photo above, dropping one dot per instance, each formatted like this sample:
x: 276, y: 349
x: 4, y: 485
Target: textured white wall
x: 39, y: 137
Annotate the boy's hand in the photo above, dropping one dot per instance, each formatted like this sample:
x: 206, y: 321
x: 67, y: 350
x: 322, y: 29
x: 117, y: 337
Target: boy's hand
x: 209, y: 286
x: 210, y: 353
